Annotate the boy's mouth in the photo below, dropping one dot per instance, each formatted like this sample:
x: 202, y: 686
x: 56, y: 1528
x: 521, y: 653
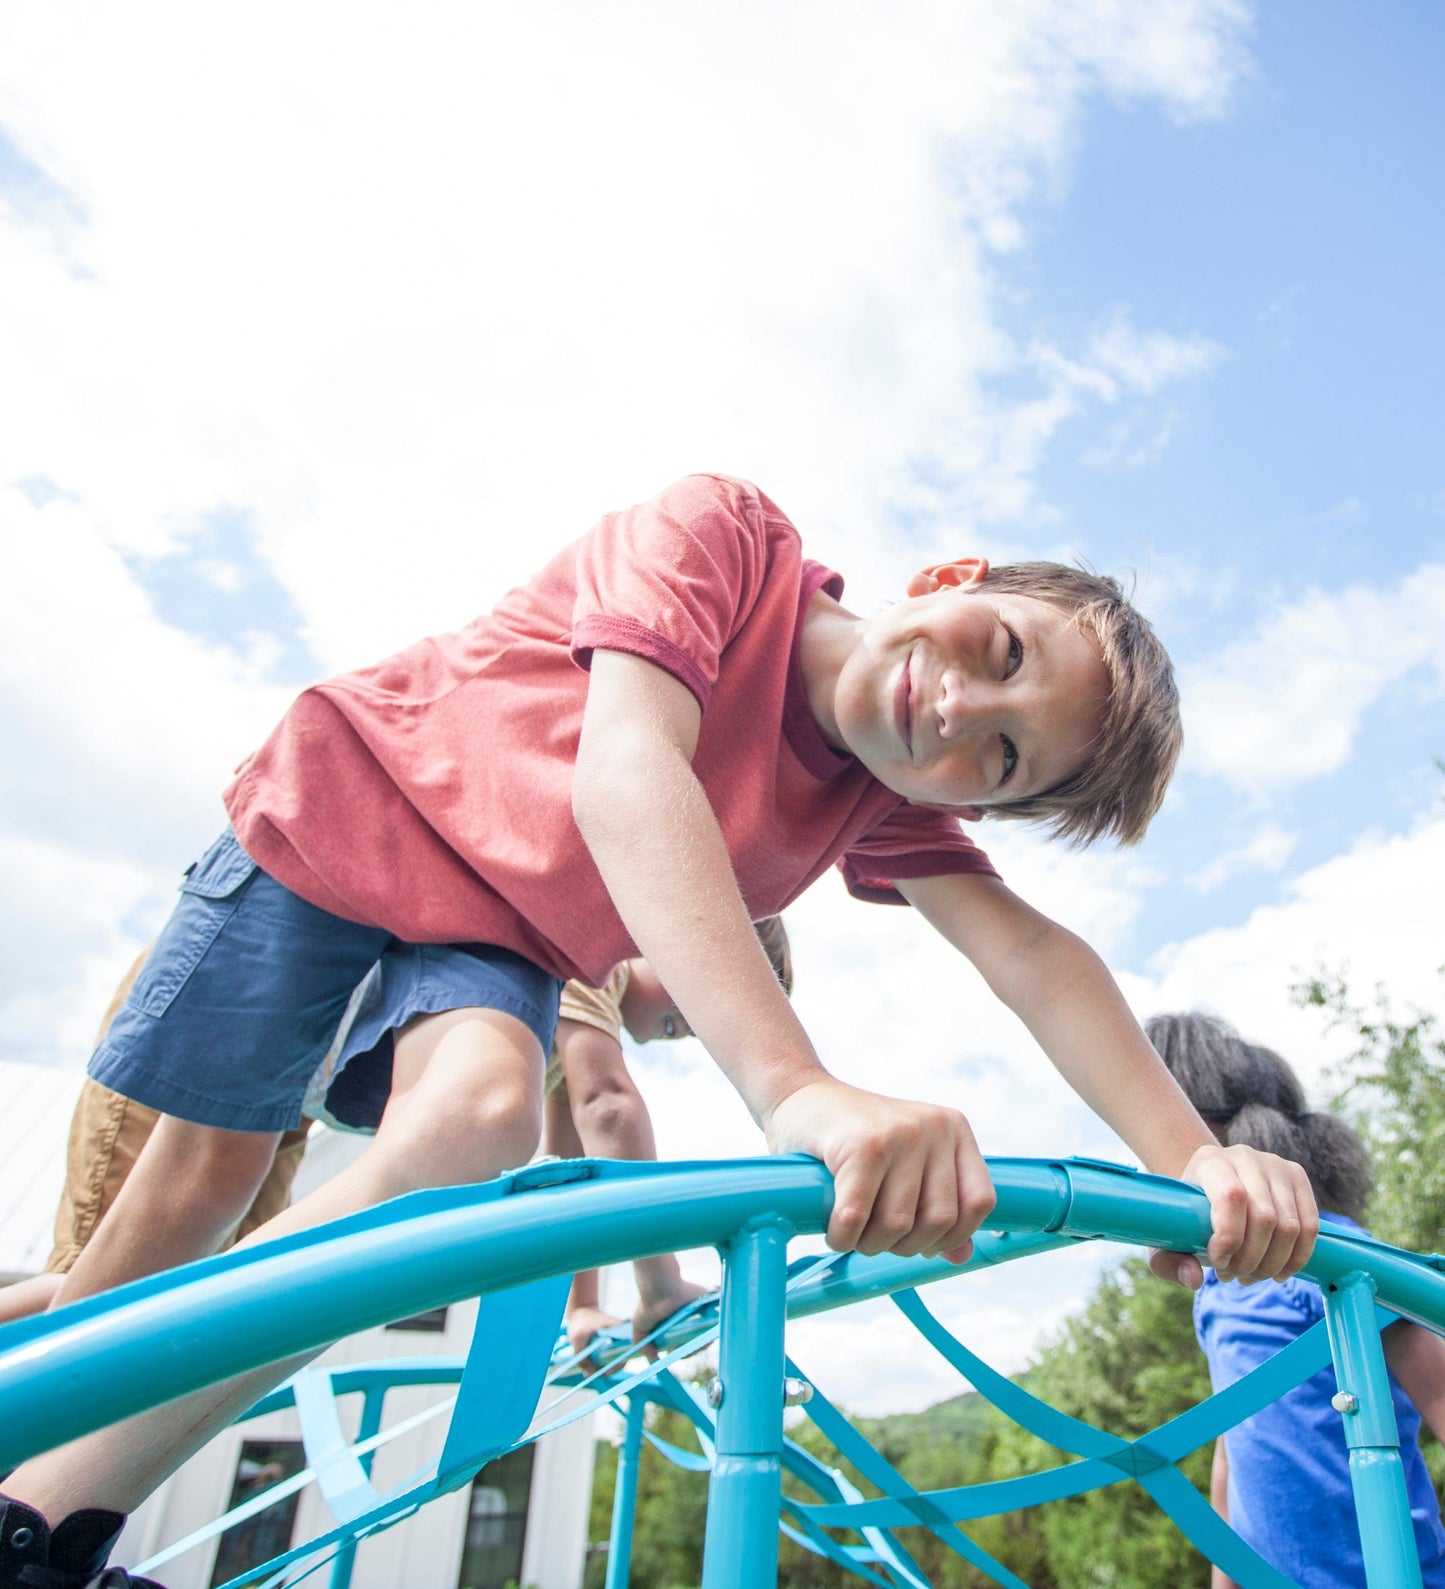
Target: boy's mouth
x: 903, y: 704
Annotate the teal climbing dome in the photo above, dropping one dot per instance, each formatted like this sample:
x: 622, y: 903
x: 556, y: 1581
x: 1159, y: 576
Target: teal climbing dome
x: 515, y: 1242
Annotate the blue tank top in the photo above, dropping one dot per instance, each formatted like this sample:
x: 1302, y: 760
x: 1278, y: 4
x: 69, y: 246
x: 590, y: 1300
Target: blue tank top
x: 1289, y: 1466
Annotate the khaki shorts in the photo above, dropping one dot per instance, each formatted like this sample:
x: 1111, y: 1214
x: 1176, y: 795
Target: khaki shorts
x: 599, y: 1007
x: 107, y: 1133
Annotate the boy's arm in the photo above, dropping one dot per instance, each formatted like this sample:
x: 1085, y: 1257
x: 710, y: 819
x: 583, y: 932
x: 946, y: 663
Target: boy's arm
x: 908, y: 1177
x: 1264, y: 1214
x: 1416, y: 1357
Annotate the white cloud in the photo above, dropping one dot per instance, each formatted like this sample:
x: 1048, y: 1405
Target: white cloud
x: 1268, y: 849
x: 516, y: 265
x: 1145, y: 361
x: 1372, y: 911
x: 423, y: 292
x: 1285, y: 702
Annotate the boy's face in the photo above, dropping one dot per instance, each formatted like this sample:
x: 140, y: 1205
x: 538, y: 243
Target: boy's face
x: 648, y: 1012
x: 961, y: 698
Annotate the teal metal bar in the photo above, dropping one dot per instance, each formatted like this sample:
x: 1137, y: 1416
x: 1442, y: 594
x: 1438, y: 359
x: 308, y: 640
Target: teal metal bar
x: 1377, y: 1476
x: 371, y: 1410
x: 90, y: 1364
x: 740, y: 1550
x: 624, y: 1494
x: 85, y: 1366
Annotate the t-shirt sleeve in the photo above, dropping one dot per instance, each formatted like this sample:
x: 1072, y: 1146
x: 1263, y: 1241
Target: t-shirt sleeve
x: 599, y: 1007
x: 671, y: 579
x: 909, y: 842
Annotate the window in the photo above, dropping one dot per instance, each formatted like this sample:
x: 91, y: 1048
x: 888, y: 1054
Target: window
x: 433, y: 1322
x: 262, y: 1464
x: 497, y: 1523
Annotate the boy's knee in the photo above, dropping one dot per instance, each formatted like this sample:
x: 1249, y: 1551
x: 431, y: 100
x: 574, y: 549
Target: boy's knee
x: 469, y: 1137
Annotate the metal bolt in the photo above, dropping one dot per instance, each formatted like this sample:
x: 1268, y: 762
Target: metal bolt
x: 1343, y: 1401
x: 714, y: 1393
x: 796, y: 1392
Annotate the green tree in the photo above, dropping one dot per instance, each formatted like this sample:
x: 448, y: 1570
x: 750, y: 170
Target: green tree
x: 1393, y: 1093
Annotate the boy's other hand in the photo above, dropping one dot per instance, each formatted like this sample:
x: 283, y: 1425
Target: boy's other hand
x: 908, y: 1177
x: 1264, y: 1216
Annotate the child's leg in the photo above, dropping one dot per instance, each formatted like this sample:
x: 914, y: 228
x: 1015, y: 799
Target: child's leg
x: 189, y: 1187
x: 584, y: 1316
x: 612, y: 1122
x: 465, y: 1106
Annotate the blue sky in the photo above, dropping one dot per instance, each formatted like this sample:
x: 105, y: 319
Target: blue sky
x: 1151, y: 285
x: 1299, y: 233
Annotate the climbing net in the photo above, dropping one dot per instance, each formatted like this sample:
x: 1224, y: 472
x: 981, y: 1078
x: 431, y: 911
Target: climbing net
x: 514, y: 1243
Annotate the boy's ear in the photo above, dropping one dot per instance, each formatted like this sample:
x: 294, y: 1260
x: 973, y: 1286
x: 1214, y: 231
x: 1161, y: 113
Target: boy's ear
x: 963, y: 573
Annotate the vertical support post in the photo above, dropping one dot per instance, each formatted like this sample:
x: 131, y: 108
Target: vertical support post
x: 624, y: 1493
x: 741, y: 1547
x: 1377, y: 1476
x: 345, y: 1558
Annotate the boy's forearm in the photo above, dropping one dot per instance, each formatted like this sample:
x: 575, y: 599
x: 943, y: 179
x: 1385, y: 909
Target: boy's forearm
x: 1062, y: 991
x: 1074, y: 1009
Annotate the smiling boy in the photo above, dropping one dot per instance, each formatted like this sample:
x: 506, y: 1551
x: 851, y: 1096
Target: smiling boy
x: 670, y: 732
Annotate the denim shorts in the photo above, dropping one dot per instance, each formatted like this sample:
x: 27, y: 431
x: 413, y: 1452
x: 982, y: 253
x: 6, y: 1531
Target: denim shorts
x: 246, y: 985
x: 352, y: 1087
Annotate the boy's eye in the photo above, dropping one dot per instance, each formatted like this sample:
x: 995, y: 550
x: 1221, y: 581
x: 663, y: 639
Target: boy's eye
x: 1010, y: 758
x: 1015, y: 654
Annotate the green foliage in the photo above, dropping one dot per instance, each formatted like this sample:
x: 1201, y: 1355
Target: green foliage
x: 1393, y: 1093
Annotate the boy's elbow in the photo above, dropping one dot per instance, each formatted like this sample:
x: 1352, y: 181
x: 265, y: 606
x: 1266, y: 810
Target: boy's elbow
x: 1043, y: 958
x: 589, y: 804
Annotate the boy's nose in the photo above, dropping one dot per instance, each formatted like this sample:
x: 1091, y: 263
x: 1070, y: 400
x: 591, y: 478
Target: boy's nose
x: 961, y: 705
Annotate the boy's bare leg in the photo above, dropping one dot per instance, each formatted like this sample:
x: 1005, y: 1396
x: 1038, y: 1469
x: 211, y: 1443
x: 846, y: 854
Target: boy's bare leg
x: 190, y: 1187
x: 464, y: 1107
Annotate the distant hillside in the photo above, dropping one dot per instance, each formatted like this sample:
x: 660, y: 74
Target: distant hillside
x: 961, y: 1418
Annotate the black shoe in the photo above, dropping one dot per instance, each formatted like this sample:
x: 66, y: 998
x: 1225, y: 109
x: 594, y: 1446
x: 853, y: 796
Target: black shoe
x: 69, y: 1556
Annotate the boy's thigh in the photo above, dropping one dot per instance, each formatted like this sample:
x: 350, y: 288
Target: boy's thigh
x: 238, y: 1000
x: 417, y: 982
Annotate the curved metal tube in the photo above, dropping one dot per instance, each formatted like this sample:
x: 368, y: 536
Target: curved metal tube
x: 105, y: 1359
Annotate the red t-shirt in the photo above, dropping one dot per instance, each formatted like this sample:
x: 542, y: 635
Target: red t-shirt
x: 431, y: 794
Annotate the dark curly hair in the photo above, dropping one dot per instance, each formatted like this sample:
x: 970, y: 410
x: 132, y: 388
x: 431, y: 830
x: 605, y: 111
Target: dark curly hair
x: 1250, y: 1095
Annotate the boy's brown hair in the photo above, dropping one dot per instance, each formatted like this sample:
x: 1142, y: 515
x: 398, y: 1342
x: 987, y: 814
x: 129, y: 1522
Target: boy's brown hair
x: 773, y: 936
x: 1122, y: 787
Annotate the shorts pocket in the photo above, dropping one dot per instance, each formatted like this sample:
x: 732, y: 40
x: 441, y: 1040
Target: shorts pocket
x: 210, y: 892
